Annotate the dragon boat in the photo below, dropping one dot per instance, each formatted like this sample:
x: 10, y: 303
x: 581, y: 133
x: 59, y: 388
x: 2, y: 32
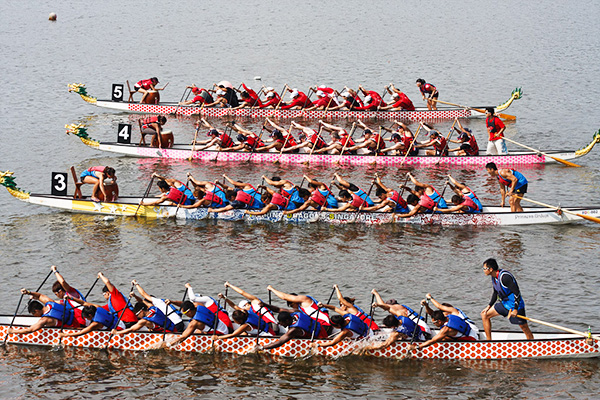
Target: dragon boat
x: 187, y: 151
x: 129, y: 207
x: 504, y: 345
x: 420, y: 114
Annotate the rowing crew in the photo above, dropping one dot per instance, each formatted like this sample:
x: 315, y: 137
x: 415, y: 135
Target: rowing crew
x: 283, y: 195
x: 224, y: 94
x: 304, y: 316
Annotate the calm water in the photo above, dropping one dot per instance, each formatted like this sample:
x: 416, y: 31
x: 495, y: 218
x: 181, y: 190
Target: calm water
x: 475, y: 53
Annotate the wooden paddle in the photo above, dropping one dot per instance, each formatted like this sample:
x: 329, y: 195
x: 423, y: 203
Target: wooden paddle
x: 307, y: 162
x: 284, y: 143
x: 539, y: 203
x: 560, y: 160
x: 412, y: 143
x: 347, y: 141
x: 224, y: 133
x: 194, y: 142
x: 120, y: 316
x: 145, y: 195
x: 562, y: 328
x: 281, y: 96
x: 447, y: 138
x: 365, y: 201
x: 503, y: 116
x: 13, y: 319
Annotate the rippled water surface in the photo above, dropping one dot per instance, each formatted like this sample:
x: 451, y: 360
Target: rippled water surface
x: 474, y: 52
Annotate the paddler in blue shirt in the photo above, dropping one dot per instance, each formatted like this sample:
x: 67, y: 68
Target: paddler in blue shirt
x: 246, y: 197
x: 506, y: 299
x: 512, y: 183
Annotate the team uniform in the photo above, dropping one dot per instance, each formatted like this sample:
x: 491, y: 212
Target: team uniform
x: 324, y: 198
x: 469, y: 144
x: 108, y: 319
x: 357, y: 326
x: 427, y: 89
x: 404, y: 102
x: 496, y: 143
x: 61, y: 313
x: 308, y: 326
x: 465, y: 331
x: 507, y: 291
x: 94, y: 172
x: 520, y: 187
x: 401, y: 206
x: 117, y: 304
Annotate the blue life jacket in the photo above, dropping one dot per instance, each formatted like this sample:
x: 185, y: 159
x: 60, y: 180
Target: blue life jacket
x: 437, y: 199
x: 106, y: 318
x: 158, y: 318
x: 257, y: 204
x: 205, y: 316
x: 256, y: 322
x: 294, y: 196
x: 355, y: 324
x: 57, y: 310
x: 306, y: 323
x: 458, y: 324
x: 190, y: 199
x: 506, y: 296
x: 361, y: 193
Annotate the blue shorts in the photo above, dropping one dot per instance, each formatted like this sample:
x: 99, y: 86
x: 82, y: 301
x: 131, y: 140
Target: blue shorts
x: 500, y: 309
x: 87, y: 173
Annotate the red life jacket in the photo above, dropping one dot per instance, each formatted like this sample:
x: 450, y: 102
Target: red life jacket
x: 255, y: 100
x: 254, y: 142
x: 213, y: 198
x: 357, y: 201
x: 396, y: 198
x: 290, y: 142
x: 97, y: 169
x: 149, y: 120
x: 244, y: 197
x: 226, y: 141
x: 320, y: 143
x: 176, y: 196
x: 470, y: 203
x: 474, y: 146
x: 441, y: 145
x: 426, y: 202
x: 280, y: 200
x: 318, y: 197
x: 379, y: 142
x: 427, y: 88
x: 145, y: 84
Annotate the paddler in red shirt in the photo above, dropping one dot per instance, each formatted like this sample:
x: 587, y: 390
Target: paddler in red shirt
x: 201, y: 96
x: 249, y: 141
x: 279, y: 140
x: 372, y: 142
x: 324, y: 101
x: 372, y: 100
x: 144, y: 86
x: 272, y: 100
x: 437, y: 140
x: 117, y: 302
x: 299, y: 100
x: 309, y: 138
x: 401, y: 101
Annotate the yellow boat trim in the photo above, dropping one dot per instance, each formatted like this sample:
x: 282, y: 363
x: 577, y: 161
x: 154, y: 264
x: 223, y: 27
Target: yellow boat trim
x: 583, y: 151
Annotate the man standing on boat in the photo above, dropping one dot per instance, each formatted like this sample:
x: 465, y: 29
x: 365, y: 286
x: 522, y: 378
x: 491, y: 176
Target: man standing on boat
x: 512, y: 184
x: 496, y: 144
x: 510, y: 302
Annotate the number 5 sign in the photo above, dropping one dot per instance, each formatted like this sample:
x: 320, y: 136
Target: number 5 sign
x: 117, y: 92
x: 59, y: 184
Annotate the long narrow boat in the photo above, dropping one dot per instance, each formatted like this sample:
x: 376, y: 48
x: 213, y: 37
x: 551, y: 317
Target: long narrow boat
x: 504, y: 345
x: 185, y: 151
x: 173, y: 108
x: 128, y: 206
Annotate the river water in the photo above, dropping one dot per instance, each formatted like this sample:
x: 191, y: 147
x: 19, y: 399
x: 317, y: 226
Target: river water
x: 474, y: 52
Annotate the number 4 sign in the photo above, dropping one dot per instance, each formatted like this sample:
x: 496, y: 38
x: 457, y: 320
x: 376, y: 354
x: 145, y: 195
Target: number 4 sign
x: 124, y: 134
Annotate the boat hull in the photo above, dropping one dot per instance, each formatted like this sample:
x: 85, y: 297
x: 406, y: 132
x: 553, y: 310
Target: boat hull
x: 553, y: 346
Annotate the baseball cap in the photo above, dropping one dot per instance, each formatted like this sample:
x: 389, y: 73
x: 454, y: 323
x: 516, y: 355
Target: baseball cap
x: 243, y: 303
x: 270, y: 94
x: 368, y: 99
x: 294, y: 94
x: 269, y: 89
x: 212, y: 132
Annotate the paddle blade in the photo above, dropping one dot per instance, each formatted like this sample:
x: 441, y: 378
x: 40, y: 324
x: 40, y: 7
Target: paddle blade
x: 589, y: 218
x: 565, y: 162
x: 507, y: 117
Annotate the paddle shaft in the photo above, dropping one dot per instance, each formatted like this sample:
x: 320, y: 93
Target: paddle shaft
x: 145, y: 195
x: 194, y: 142
x: 44, y: 281
x: 589, y: 218
x: 447, y: 139
x: 62, y: 325
x: 405, y: 183
x: 182, y: 96
x: 181, y: 199
x: 505, y: 116
x: 347, y: 141
x: 214, y: 331
x: 412, y: 143
x: 221, y: 147
x: 91, y: 288
x: 562, y: 328
x: 13, y: 319
x: 315, y: 143
x: 560, y: 160
x: 414, y: 334
x: 169, y: 312
x: 380, y: 139
x: 120, y: 316
x: 284, y: 143
x: 371, y: 311
x: 365, y: 200
x: 281, y: 96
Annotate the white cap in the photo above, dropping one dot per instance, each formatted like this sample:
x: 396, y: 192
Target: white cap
x: 270, y: 94
x: 220, y: 92
x: 269, y: 89
x: 346, y: 94
x: 320, y: 93
x: 243, y: 303
x: 395, y: 95
x: 294, y: 93
x: 368, y: 99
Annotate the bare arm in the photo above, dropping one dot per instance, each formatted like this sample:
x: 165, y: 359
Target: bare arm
x: 142, y: 291
x: 106, y: 282
x: 287, y: 297
x: 61, y: 280
x: 341, y: 336
x: 94, y: 326
x: 241, y: 292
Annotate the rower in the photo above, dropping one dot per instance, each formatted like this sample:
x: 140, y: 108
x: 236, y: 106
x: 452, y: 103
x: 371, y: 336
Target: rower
x: 431, y: 92
x: 201, y: 319
x: 339, y: 138
x: 98, y: 318
x: 212, y: 305
x: 278, y: 201
x: 273, y: 98
x: 151, y: 303
x: 144, y: 86
x: 299, y: 100
x: 372, y: 142
x: 249, y: 98
x: 229, y: 94
x: 348, y: 305
x: 400, y: 330
x: 64, y: 292
x: 408, y: 138
x: 201, y: 96
x: 407, y: 316
x: 496, y: 143
x: 117, y: 304
x: 464, y: 200
x: 287, y: 189
x: 506, y: 299
x: 102, y: 190
x: 220, y: 101
x: 324, y: 101
x: 320, y: 196
x: 467, y: 141
x: 249, y: 324
x: 351, y: 326
x: 299, y: 325
x: 246, y: 197
x: 150, y: 319
x: 401, y: 100
x: 249, y: 141
x: 391, y: 200
x: 280, y: 141
x: 309, y: 139
x: 218, y: 139
x: 353, y: 189
x: 436, y: 140
x: 153, y: 126
x: 372, y: 100
x: 50, y: 314
x: 449, y: 309
x: 512, y: 184
x: 208, y: 194
x: 427, y: 190
x: 255, y: 305
x: 173, y: 192
x: 450, y: 327
x: 305, y: 304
